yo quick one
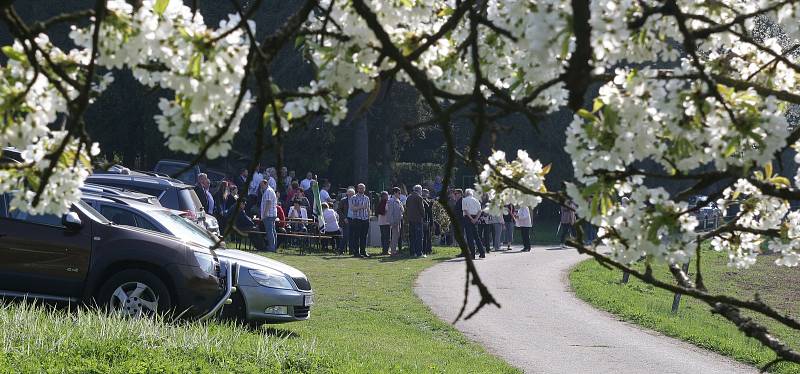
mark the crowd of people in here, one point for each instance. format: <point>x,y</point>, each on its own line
<point>344,221</point>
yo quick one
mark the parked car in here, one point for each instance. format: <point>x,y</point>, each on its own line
<point>83,257</point>
<point>268,290</point>
<point>99,189</point>
<point>171,193</point>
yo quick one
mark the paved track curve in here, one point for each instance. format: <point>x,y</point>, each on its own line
<point>543,328</point>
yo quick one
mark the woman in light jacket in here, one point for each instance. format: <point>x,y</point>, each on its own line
<point>394,214</point>
<point>524,222</point>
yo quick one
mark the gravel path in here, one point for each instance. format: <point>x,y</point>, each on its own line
<point>543,328</point>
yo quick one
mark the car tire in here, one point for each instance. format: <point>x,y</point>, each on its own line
<point>135,293</point>
<point>237,312</point>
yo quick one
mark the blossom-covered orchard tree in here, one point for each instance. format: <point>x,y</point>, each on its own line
<point>690,91</point>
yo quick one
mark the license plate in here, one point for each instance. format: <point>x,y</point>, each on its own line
<point>308,300</point>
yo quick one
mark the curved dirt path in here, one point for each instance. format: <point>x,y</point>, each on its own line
<point>543,328</point>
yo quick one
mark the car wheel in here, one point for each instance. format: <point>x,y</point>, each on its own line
<point>237,312</point>
<point>135,293</point>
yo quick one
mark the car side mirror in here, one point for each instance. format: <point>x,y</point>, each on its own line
<point>72,221</point>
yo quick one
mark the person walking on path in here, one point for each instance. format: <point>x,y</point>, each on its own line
<point>525,222</point>
<point>508,228</point>
<point>472,211</point>
<point>497,224</point>
<point>383,221</point>
<point>415,212</point>
<point>394,213</point>
<point>269,213</point>
<point>567,221</point>
<point>359,222</point>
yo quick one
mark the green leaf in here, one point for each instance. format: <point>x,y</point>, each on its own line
<point>585,114</point>
<point>565,46</point>
<point>781,181</point>
<point>546,169</point>
<point>730,150</point>
<point>446,11</point>
<point>12,54</point>
<point>194,65</point>
<point>597,105</point>
<point>768,170</point>
<point>160,6</point>
<point>299,40</point>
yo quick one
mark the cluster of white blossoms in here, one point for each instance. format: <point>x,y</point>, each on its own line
<point>493,181</point>
<point>167,46</point>
<point>30,104</point>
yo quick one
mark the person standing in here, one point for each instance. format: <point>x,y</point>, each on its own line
<point>394,213</point>
<point>383,221</point>
<point>241,180</point>
<point>496,223</point>
<point>567,221</point>
<point>269,213</point>
<point>202,191</point>
<point>472,212</point>
<point>344,211</point>
<point>524,222</point>
<point>324,195</point>
<point>415,213</point>
<point>508,230</point>
<point>359,221</point>
<point>271,178</point>
<point>427,245</point>
<point>437,186</point>
<point>306,183</point>
<point>253,189</point>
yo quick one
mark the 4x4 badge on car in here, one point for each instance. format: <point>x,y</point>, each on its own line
<point>72,270</point>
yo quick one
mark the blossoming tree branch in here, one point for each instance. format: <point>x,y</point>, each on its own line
<point>691,91</point>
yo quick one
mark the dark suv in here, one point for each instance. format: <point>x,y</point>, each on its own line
<point>82,256</point>
<point>171,193</point>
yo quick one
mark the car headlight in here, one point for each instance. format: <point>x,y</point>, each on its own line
<point>206,262</point>
<point>271,278</point>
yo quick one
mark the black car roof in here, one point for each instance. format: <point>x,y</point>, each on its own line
<point>121,201</point>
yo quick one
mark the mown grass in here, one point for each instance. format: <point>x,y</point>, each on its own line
<point>650,307</point>
<point>366,320</point>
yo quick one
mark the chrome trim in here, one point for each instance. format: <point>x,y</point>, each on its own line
<point>229,286</point>
<point>28,295</point>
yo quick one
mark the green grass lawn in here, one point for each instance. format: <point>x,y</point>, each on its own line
<point>650,307</point>
<point>366,320</point>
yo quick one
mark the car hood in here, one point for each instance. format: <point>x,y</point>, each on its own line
<point>254,261</point>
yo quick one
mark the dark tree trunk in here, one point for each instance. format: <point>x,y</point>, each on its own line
<point>361,150</point>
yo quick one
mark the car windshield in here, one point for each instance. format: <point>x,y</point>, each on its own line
<point>183,229</point>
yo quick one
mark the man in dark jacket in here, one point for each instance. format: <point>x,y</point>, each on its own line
<point>344,220</point>
<point>202,190</point>
<point>415,212</point>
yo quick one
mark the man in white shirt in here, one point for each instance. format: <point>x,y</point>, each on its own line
<point>306,183</point>
<point>271,173</point>
<point>269,212</point>
<point>472,211</point>
<point>255,184</point>
<point>324,195</point>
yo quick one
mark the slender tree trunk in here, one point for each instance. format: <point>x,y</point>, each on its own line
<point>361,150</point>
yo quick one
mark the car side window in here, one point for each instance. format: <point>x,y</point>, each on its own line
<point>118,216</point>
<point>3,209</point>
<point>42,219</point>
<point>145,224</point>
